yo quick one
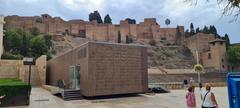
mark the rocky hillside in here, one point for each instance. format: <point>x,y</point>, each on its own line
<point>159,55</point>
<point>170,57</point>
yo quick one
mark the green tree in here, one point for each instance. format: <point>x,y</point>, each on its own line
<point>205,30</point>
<point>197,30</point>
<point>152,42</point>
<point>213,30</point>
<point>226,38</point>
<point>95,16</point>
<point>233,56</point>
<point>167,21</point>
<point>39,20</point>
<point>38,46</point>
<point>119,37</point>
<point>192,31</point>
<point>48,41</point>
<point>12,41</point>
<point>18,44</point>
<point>34,31</point>
<point>178,35</point>
<point>131,21</point>
<point>127,39</point>
<point>107,19</point>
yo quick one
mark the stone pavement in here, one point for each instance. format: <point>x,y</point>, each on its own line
<point>40,98</point>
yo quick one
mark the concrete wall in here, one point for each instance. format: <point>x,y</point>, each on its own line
<point>41,64</point>
<point>1,34</point>
<point>10,68</point>
<point>106,69</point>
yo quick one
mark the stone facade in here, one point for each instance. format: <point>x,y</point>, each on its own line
<point>211,51</point>
<point>144,31</point>
<point>1,34</point>
<point>105,69</point>
<point>149,29</point>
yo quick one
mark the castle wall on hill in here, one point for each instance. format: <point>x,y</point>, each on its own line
<point>149,29</point>
<point>211,52</point>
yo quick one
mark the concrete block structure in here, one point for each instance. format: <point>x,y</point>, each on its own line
<point>105,68</point>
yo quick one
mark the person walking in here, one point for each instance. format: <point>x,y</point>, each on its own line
<point>208,98</point>
<point>191,98</point>
<point>191,82</point>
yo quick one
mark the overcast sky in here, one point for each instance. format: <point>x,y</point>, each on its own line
<point>178,11</point>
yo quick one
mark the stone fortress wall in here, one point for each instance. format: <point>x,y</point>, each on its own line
<point>211,52</point>
<point>149,29</point>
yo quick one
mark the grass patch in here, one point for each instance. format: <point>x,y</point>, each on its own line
<point>11,81</point>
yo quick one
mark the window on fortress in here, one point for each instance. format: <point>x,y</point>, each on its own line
<point>82,33</point>
<point>221,43</point>
<point>223,66</point>
<point>222,60</point>
<point>209,56</point>
<point>163,38</point>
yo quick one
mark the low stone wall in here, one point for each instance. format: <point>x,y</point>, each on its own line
<point>10,68</point>
<point>175,81</point>
<point>41,64</point>
<point>179,85</point>
<point>16,69</point>
<point>212,77</point>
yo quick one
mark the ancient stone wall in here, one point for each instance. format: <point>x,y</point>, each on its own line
<point>10,68</point>
<point>218,55</point>
<point>16,69</point>
<point>41,64</point>
<point>149,29</point>
<point>199,42</point>
<point>211,54</point>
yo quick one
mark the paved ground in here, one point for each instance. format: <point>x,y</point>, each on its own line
<point>41,98</point>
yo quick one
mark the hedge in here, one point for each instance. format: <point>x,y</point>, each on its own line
<point>14,87</point>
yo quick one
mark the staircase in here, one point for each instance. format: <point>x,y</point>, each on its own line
<point>72,95</point>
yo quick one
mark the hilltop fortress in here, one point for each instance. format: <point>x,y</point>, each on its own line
<point>211,51</point>
<point>149,29</point>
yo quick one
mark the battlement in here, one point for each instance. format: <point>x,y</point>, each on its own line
<point>148,29</point>
<point>150,21</point>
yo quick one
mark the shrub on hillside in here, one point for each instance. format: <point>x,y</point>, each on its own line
<point>8,55</point>
<point>152,42</point>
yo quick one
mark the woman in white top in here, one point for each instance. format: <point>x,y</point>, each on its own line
<point>208,98</point>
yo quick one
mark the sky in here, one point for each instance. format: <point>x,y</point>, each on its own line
<point>178,11</point>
